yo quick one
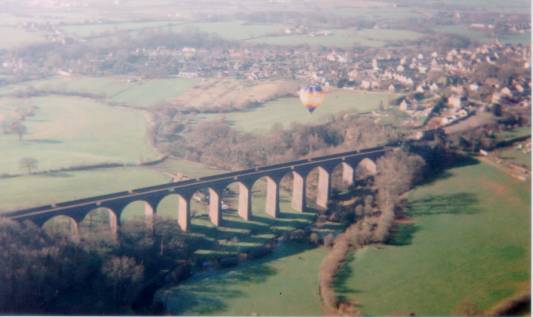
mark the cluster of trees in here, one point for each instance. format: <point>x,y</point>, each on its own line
<point>44,272</point>
<point>217,143</point>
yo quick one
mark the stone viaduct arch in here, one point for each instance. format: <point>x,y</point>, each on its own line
<point>115,203</point>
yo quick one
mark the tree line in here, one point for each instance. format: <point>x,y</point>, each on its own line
<point>216,143</point>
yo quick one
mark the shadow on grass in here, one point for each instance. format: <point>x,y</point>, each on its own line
<point>340,283</point>
<point>237,235</point>
<point>461,161</point>
<point>402,234</point>
<point>456,204</point>
<point>58,174</point>
<point>209,292</point>
<point>44,141</point>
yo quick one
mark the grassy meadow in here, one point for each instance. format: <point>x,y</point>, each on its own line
<point>284,283</point>
<point>233,30</point>
<point>287,110</point>
<point>90,30</point>
<point>100,86</point>
<point>72,131</point>
<point>344,38</point>
<point>468,246</point>
<point>14,37</point>
<point>142,93</point>
<point>154,91</point>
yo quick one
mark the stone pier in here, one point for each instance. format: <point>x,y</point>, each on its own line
<point>215,214</point>
<point>298,192</point>
<point>184,213</point>
<point>113,224</point>
<point>348,174</point>
<point>148,216</point>
<point>323,188</point>
<point>74,230</point>
<point>245,202</point>
<point>272,197</point>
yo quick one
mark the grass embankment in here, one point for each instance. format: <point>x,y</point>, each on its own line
<point>467,248</point>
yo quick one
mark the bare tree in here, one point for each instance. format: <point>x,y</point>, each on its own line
<point>18,128</point>
<point>28,163</point>
<point>397,171</point>
<point>122,276</point>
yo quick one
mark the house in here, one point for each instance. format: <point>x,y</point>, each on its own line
<point>473,87</point>
<point>506,92</point>
<point>375,65</point>
<point>458,90</point>
<point>492,82</point>
<point>462,113</point>
<point>455,102</point>
<point>405,105</point>
<point>496,97</point>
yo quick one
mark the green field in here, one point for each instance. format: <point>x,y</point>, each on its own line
<point>151,92</point>
<point>233,30</point>
<point>101,86</point>
<point>142,93</point>
<point>13,37</point>
<point>90,30</point>
<point>71,131</point>
<point>285,283</point>
<point>468,245</point>
<point>344,38</point>
<point>284,111</point>
<point>34,190</point>
<point>377,13</point>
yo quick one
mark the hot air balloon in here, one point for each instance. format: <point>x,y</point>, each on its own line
<point>312,96</point>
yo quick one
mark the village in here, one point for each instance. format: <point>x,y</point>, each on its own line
<point>464,79</point>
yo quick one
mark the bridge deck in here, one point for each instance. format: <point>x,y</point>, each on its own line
<point>230,176</point>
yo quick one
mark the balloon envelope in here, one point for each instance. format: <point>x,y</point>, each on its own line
<point>312,97</point>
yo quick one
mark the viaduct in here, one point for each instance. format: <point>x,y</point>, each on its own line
<point>115,203</point>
